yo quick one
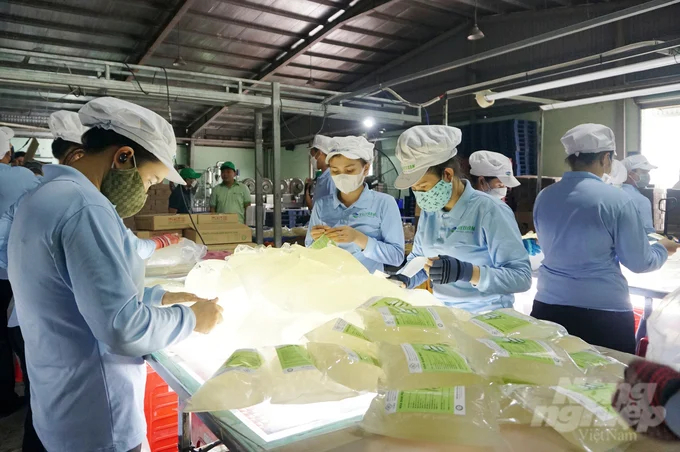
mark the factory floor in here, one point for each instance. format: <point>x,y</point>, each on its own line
<point>12,428</point>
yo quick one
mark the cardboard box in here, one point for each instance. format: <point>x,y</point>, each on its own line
<point>214,227</point>
<point>235,234</point>
<point>162,222</point>
<point>216,218</point>
<point>150,234</point>
<point>229,246</point>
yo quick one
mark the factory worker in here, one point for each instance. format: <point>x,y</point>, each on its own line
<point>90,354</point>
<point>638,168</point>
<point>366,223</point>
<point>585,228</point>
<point>477,259</point>
<point>492,173</point>
<point>67,131</point>
<point>318,151</point>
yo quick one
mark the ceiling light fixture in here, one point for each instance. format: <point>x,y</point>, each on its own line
<point>179,61</point>
<point>369,122</point>
<point>475,33</point>
<point>311,81</point>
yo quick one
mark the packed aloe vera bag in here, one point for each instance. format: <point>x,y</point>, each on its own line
<point>341,332</point>
<point>510,323</point>
<point>357,370</point>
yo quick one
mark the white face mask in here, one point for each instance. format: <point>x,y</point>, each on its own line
<point>499,193</point>
<point>347,183</point>
<point>315,165</point>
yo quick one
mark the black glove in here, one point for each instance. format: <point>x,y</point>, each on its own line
<point>401,278</point>
<point>447,269</point>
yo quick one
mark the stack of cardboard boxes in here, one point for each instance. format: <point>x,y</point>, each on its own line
<point>220,232</point>
<point>157,200</point>
<point>521,200</point>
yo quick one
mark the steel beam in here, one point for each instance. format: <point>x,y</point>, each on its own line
<point>81,11</point>
<point>351,45</point>
<point>240,56</point>
<point>275,11</point>
<point>529,42</point>
<point>405,22</point>
<point>223,66</point>
<point>259,172</point>
<point>51,25</point>
<point>376,34</point>
<point>343,59</point>
<point>276,149</point>
<point>234,40</point>
<point>104,48</point>
<point>428,6</point>
<point>165,31</point>
<point>324,69</point>
<point>520,4</point>
<point>481,4</point>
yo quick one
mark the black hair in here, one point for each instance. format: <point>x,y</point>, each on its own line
<point>586,159</point>
<point>453,163</point>
<point>35,167</point>
<point>61,147</point>
<point>18,155</point>
<point>487,179</point>
<point>97,139</point>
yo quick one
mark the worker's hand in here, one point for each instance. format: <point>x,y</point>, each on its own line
<point>641,397</point>
<point>166,240</point>
<point>670,246</point>
<point>184,297</point>
<point>400,280</point>
<point>318,231</point>
<point>208,315</point>
<point>447,269</point>
<point>346,234</point>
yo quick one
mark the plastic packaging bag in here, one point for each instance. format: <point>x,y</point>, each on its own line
<point>420,366</point>
<point>357,370</point>
<point>295,378</point>
<point>581,413</point>
<point>508,322</point>
<point>397,324</point>
<point>185,252</point>
<point>462,415</point>
<point>343,333</point>
<point>590,361</point>
<point>240,382</point>
<point>663,331</point>
<point>515,360</point>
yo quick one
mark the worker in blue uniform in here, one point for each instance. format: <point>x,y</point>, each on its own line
<point>85,358</point>
<point>366,223</point>
<point>585,228</point>
<point>477,259</point>
<point>318,152</point>
<point>492,173</point>
<point>638,168</point>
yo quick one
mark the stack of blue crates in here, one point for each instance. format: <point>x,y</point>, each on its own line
<point>526,147</point>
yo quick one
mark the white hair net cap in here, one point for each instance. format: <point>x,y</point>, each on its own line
<point>322,143</point>
<point>589,139</point>
<point>67,126</point>
<point>493,164</point>
<point>638,161</point>
<point>6,134</point>
<point>141,125</point>
<point>618,173</point>
<point>353,148</point>
<point>421,147</point>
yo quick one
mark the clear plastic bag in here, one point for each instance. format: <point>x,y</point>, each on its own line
<point>663,331</point>
<point>185,252</point>
<point>590,361</point>
<point>581,413</point>
<point>464,415</point>
<point>240,382</point>
<point>515,360</point>
<point>510,323</point>
<point>398,323</point>
<point>354,369</point>
<point>420,366</point>
<point>295,379</point>
<point>340,332</point>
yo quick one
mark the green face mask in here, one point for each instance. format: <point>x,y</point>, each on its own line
<point>125,189</point>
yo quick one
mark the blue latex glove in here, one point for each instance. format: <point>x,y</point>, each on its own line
<point>447,269</point>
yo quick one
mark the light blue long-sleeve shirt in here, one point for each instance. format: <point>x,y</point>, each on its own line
<point>86,316</point>
<point>643,205</point>
<point>324,185</point>
<point>14,182</point>
<point>583,224</point>
<point>374,214</point>
<point>480,230</point>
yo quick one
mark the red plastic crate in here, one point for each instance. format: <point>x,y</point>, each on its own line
<point>160,410</point>
<point>638,313</point>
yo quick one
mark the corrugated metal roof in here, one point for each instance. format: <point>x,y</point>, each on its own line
<point>239,38</point>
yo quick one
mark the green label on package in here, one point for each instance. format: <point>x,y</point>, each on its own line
<point>499,323</point>
<point>383,302</point>
<point>361,357</point>
<point>595,397</point>
<point>294,358</point>
<point>344,327</point>
<point>509,347</point>
<point>411,316</point>
<point>587,359</point>
<point>322,242</point>
<point>433,358</point>
<point>244,360</point>
<point>440,400</point>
